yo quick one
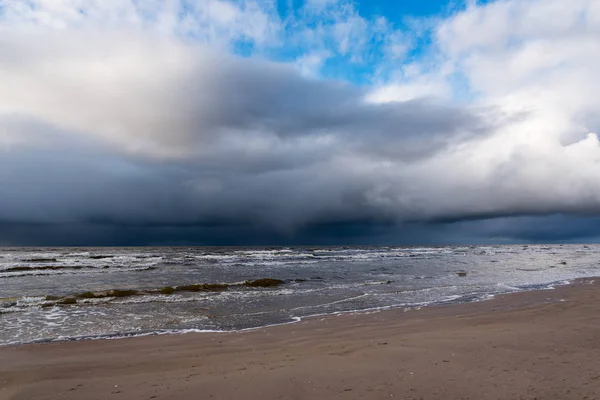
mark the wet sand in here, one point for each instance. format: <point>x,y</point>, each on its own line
<point>533,345</point>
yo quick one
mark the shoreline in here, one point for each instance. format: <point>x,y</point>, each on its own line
<point>299,319</point>
<point>351,355</point>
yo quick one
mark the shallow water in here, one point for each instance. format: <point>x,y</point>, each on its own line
<point>317,280</point>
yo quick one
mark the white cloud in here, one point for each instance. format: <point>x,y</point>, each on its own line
<point>215,22</point>
<point>410,88</point>
<point>537,59</point>
<point>310,64</point>
<point>542,59</point>
<point>335,27</point>
<point>523,56</point>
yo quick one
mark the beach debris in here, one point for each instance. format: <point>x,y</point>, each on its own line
<point>563,263</point>
<point>462,273</point>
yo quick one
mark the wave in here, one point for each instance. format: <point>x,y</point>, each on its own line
<point>293,317</point>
<point>85,297</point>
<point>44,268</point>
<point>60,270</point>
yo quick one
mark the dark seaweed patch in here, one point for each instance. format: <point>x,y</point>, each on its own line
<point>108,293</point>
<point>87,295</point>
<point>46,268</point>
<point>123,293</point>
<point>267,282</point>
<point>18,269</point>
<point>167,290</point>
<point>67,301</point>
<point>202,287</point>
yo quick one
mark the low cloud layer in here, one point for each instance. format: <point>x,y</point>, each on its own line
<point>127,127</point>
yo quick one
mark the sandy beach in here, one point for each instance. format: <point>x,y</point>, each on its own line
<point>530,345</point>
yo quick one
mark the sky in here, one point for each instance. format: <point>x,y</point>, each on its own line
<point>278,122</point>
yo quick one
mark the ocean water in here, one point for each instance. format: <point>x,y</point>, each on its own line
<point>49,294</point>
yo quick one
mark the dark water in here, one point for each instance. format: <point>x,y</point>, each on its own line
<point>316,281</point>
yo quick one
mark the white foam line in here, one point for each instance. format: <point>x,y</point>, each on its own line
<point>295,319</point>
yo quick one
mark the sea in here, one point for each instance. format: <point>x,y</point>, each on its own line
<point>58,294</point>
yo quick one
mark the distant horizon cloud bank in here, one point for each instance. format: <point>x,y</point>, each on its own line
<point>233,122</point>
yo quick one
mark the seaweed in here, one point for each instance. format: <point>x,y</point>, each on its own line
<point>51,268</point>
<point>167,290</point>
<point>16,269</point>
<point>67,301</point>
<point>109,293</point>
<point>265,282</point>
<point>122,293</point>
<point>88,295</point>
<point>202,287</point>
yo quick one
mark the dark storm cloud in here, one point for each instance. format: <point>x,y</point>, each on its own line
<point>150,141</point>
<point>261,150</point>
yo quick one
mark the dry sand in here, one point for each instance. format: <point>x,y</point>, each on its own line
<point>534,345</point>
